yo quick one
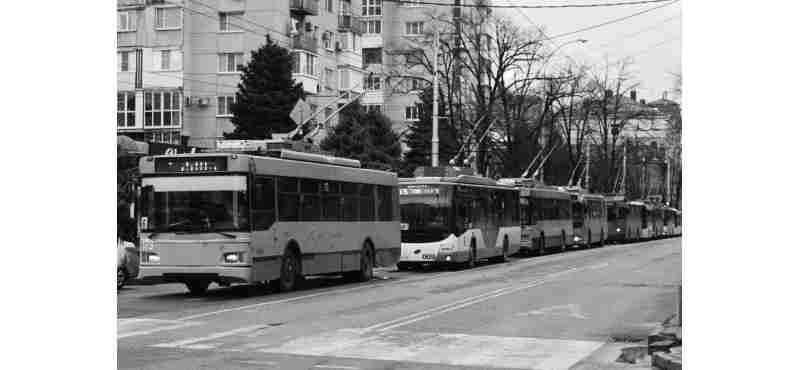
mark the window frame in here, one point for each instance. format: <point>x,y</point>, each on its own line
<point>420,25</point>
<point>127,111</point>
<point>130,20</point>
<point>225,19</point>
<point>162,111</point>
<point>238,62</point>
<point>370,8</point>
<point>125,60</point>
<point>227,100</point>
<point>414,110</point>
<point>165,27</point>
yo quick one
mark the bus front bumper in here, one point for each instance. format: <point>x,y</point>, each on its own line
<point>180,274</point>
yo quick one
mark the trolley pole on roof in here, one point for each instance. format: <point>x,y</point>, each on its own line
<point>435,128</point>
<point>624,166</point>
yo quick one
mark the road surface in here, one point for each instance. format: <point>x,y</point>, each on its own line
<point>573,310</point>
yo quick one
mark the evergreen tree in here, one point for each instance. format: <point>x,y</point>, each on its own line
<point>419,138</point>
<point>267,94</point>
<point>366,136</point>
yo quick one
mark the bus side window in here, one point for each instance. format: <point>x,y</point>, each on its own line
<point>349,201</point>
<point>331,201</point>
<point>288,199</point>
<point>385,203</point>
<point>263,203</point>
<point>310,208</point>
<point>366,202</point>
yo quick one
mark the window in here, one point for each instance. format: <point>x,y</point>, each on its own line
<point>331,201</point>
<point>374,108</point>
<point>330,79</point>
<point>373,55</point>
<point>366,202</point>
<point>344,79</point>
<point>414,84</point>
<point>167,60</point>
<point>311,64</point>
<point>168,18</point>
<point>310,205</point>
<point>126,21</point>
<point>126,109</point>
<point>372,82</point>
<point>329,6</point>
<point>328,40</point>
<point>288,199</point>
<point>386,204</point>
<point>230,22</point>
<point>370,7</point>
<point>412,113</point>
<point>372,26</point>
<point>162,109</point>
<point>224,104</point>
<point>124,59</point>
<point>263,203</point>
<point>414,28</point>
<point>230,62</point>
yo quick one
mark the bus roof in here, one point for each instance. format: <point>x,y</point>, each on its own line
<point>456,180</point>
<point>267,165</point>
<point>548,193</point>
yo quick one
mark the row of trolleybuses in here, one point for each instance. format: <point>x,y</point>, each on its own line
<point>273,215</point>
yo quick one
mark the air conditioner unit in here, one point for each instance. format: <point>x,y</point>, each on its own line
<point>202,102</point>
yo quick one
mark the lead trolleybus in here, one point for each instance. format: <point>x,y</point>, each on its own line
<point>457,219</point>
<point>232,218</point>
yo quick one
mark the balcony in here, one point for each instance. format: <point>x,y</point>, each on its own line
<point>305,41</point>
<point>303,8</point>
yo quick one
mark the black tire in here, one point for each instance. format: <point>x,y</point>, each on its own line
<point>602,237</point>
<point>563,241</point>
<point>473,254</point>
<point>122,277</point>
<point>366,264</point>
<point>504,256</point>
<point>198,287</point>
<point>290,271</point>
<point>542,247</point>
<point>402,266</point>
<point>589,240</point>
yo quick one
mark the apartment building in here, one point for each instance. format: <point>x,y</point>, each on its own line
<point>178,61</point>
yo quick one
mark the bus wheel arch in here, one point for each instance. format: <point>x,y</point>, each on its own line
<point>291,267</point>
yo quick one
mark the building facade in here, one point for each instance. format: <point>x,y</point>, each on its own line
<point>178,61</point>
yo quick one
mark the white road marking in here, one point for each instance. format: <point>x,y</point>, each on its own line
<point>137,326</point>
<point>426,314</point>
<point>598,266</point>
<point>336,367</point>
<point>191,343</point>
<point>263,363</point>
<point>572,310</point>
<point>482,351</point>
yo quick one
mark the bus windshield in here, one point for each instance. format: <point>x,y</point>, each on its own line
<point>426,213</point>
<point>196,211</point>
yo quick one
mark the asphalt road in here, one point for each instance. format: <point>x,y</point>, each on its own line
<point>574,310</point>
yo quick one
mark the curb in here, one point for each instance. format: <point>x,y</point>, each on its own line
<point>668,361</point>
<point>664,345</point>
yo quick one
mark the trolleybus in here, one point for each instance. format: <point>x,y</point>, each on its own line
<point>233,218</point>
<point>546,221</point>
<point>619,227</point>
<point>457,220</point>
<point>589,220</point>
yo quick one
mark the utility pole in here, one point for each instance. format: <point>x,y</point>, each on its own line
<point>624,165</point>
<point>435,139</point>
<point>668,177</point>
<point>586,176</point>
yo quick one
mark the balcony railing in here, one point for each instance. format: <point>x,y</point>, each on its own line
<point>305,41</point>
<point>304,7</point>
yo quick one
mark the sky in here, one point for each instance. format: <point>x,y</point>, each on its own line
<point>653,39</point>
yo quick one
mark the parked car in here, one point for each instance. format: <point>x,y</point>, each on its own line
<point>127,262</point>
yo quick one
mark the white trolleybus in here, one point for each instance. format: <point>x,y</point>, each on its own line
<point>233,218</point>
<point>456,219</point>
<point>546,216</point>
<point>589,219</point>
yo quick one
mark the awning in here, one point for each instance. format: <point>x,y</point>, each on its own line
<point>128,146</point>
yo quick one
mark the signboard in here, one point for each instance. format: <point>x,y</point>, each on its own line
<point>419,190</point>
<point>169,149</point>
<point>191,164</point>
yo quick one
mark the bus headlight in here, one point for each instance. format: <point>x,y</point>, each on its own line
<point>447,258</point>
<point>618,229</point>
<point>151,257</point>
<point>576,238</point>
<point>233,257</point>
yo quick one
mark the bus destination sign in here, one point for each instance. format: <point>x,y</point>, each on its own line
<point>191,164</point>
<point>419,190</point>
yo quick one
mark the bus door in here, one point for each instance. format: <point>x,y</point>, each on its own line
<point>262,241</point>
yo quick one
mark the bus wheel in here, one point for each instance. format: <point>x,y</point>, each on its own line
<point>402,266</point>
<point>367,261</point>
<point>290,271</point>
<point>197,287</point>
<point>602,237</point>
<point>504,256</point>
<point>542,249</point>
<point>472,254</point>
<point>563,241</point>
<point>122,276</point>
<point>589,241</point>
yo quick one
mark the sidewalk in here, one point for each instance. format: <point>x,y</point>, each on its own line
<point>664,346</point>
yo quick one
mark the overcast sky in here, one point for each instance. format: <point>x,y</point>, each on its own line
<point>653,39</point>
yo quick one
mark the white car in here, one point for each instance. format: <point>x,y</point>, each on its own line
<point>127,262</point>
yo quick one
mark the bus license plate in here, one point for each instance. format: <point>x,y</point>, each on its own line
<point>403,226</point>
<point>428,256</point>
